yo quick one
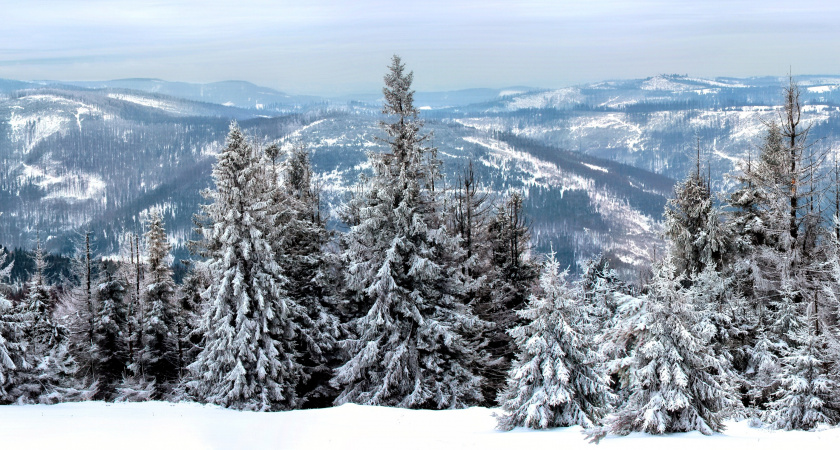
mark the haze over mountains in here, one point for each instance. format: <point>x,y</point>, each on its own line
<point>596,161</point>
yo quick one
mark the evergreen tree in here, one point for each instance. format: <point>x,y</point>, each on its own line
<point>187,315</point>
<point>158,295</point>
<point>48,352</point>
<point>248,360</point>
<point>78,311</point>
<point>618,343</point>
<point>806,392</point>
<point>602,292</point>
<point>132,274</point>
<point>695,240</point>
<point>300,238</point>
<point>676,382</point>
<point>12,343</point>
<point>508,281</point>
<point>410,345</point>
<point>556,380</point>
<point>110,349</point>
<point>778,269</point>
<point>470,217</point>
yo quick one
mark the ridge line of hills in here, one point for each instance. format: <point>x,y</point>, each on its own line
<point>596,161</point>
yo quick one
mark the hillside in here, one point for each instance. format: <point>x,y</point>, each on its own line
<point>597,161</point>
<point>79,158</point>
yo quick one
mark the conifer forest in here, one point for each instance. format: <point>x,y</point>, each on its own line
<point>418,290</point>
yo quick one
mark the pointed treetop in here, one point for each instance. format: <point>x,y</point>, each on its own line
<point>399,98</point>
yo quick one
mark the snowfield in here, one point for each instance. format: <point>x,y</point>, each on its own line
<point>161,425</point>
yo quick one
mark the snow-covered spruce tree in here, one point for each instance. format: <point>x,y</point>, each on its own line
<point>557,378</point>
<point>700,243</point>
<point>610,321</point>
<point>51,366</point>
<point>410,347</point>
<point>110,349</point>
<point>133,275</point>
<point>157,352</point>
<point>299,238</point>
<point>470,215</point>
<point>806,390</point>
<point>618,341</point>
<point>248,358</point>
<point>761,237</point>
<point>602,292</point>
<point>778,265</point>
<point>187,315</point>
<point>695,234</point>
<point>509,278</point>
<point>12,341</point>
<point>676,382</point>
<point>77,310</point>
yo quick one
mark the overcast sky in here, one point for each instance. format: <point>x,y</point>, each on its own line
<point>331,47</point>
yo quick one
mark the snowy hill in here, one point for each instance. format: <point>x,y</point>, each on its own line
<point>240,94</point>
<point>99,158</point>
<point>597,161</point>
<point>183,426</point>
<point>654,123</point>
<point>77,157</point>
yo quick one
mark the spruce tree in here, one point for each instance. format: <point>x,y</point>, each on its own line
<point>110,333</point>
<point>806,388</point>
<point>507,279</point>
<point>187,315</point>
<point>48,352</point>
<point>12,342</point>
<point>410,345</point>
<point>557,379</point>
<point>300,239</point>
<point>248,359</point>
<point>602,292</point>
<point>676,382</point>
<point>78,311</point>
<point>158,295</point>
<point>779,263</point>
<point>695,238</point>
<point>470,218</point>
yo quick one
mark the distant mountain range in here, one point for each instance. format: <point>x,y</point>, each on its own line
<point>596,161</point>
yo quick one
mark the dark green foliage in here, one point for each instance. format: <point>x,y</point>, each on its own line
<point>109,351</point>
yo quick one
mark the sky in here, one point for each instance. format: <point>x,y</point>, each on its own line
<point>329,47</point>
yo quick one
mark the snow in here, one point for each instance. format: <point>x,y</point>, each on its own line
<point>70,186</point>
<point>547,99</point>
<point>593,167</point>
<point>99,425</point>
<point>45,125</point>
<point>536,172</point>
<point>298,133</point>
<point>660,83</point>
<point>821,89</point>
<point>510,92</point>
<point>731,84</point>
<point>708,91</point>
<point>169,107</point>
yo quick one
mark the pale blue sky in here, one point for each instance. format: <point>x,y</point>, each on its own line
<point>331,47</point>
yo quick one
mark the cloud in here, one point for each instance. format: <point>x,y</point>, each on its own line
<point>321,46</point>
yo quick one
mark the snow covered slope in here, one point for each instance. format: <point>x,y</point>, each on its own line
<point>184,426</point>
<point>98,159</point>
<point>596,161</point>
<point>72,158</point>
<point>654,123</point>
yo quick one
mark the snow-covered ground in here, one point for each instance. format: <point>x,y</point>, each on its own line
<point>160,425</point>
